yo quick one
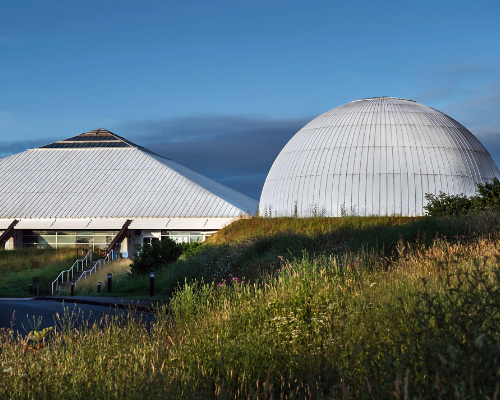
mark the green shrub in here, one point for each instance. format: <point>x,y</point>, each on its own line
<point>444,204</point>
<point>190,249</point>
<point>155,256</point>
<point>487,197</point>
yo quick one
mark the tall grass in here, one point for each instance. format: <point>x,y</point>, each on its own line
<point>422,324</point>
<point>19,267</point>
<point>251,228</point>
<point>118,269</point>
<point>123,285</point>
<point>252,247</point>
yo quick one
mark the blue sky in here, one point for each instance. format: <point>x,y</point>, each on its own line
<point>221,86</point>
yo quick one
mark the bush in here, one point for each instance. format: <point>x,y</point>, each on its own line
<point>155,256</point>
<point>487,197</point>
<point>190,249</point>
<point>444,204</point>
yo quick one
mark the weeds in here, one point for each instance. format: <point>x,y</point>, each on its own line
<point>420,321</point>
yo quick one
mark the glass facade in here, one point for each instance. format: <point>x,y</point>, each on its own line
<point>147,237</point>
<point>100,239</point>
<point>94,240</point>
<point>184,236</point>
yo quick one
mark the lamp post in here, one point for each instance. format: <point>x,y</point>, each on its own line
<point>151,284</point>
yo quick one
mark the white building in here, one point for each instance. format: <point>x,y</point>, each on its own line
<point>97,189</point>
<point>377,156</point>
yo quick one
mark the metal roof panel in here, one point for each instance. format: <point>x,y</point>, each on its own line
<point>110,183</point>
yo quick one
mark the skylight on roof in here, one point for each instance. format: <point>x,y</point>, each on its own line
<point>97,139</point>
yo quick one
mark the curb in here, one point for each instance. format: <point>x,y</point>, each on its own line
<point>100,303</point>
<point>16,298</point>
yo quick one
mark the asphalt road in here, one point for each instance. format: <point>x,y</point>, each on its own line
<point>23,315</point>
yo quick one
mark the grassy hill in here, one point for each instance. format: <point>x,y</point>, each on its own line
<point>252,248</point>
<point>19,267</point>
<point>251,228</point>
<point>295,308</point>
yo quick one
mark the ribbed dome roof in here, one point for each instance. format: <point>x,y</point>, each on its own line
<point>377,156</point>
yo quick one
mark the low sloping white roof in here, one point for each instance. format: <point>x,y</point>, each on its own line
<point>101,175</point>
<point>82,224</point>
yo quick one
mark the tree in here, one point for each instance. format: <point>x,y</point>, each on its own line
<point>155,256</point>
<point>488,195</point>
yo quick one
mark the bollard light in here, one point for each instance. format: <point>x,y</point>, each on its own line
<point>98,287</point>
<point>151,284</point>
<point>31,289</point>
<point>109,282</point>
<point>72,289</point>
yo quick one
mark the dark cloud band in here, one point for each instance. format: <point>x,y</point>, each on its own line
<point>237,151</point>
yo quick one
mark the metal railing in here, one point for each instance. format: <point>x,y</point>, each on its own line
<point>99,263</point>
<point>83,262</point>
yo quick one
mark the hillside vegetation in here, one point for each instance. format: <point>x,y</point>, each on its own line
<point>252,228</point>
<point>381,310</point>
<point>251,248</point>
<point>19,267</point>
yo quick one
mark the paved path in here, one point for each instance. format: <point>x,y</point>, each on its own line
<point>140,305</point>
<point>27,312</point>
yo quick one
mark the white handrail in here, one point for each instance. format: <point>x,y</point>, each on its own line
<point>101,262</point>
<point>61,275</point>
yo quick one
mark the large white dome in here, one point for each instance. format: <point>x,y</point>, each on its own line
<point>377,156</point>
